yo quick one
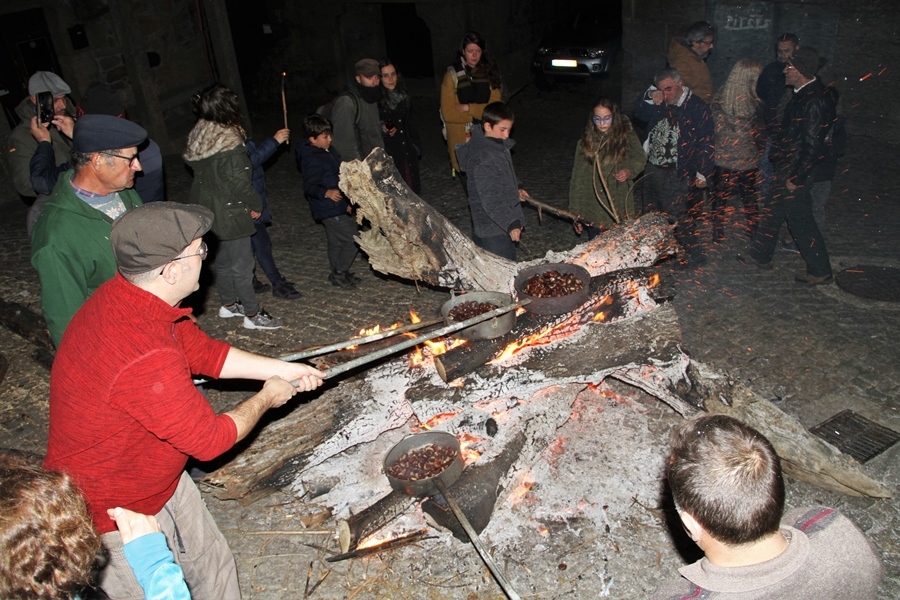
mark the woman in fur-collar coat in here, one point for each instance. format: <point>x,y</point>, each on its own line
<point>223,183</point>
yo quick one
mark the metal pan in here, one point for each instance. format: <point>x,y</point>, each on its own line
<point>486,330</point>
<point>439,484</point>
<point>560,304</point>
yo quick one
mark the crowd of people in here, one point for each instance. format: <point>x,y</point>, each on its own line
<point>115,260</point>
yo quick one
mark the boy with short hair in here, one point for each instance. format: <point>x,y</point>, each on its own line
<point>495,194</point>
<point>320,166</point>
<point>727,486</point>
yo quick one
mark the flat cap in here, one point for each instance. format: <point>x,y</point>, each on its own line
<point>368,67</point>
<point>805,60</point>
<point>45,81</point>
<point>96,133</point>
<point>149,236</point>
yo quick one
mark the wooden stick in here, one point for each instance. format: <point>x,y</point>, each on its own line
<point>388,545</point>
<point>284,98</point>
<point>542,206</point>
<point>285,532</point>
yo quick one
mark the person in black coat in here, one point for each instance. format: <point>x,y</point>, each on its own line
<point>398,126</point>
<point>320,165</point>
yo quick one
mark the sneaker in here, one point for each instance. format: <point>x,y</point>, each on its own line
<point>262,320</point>
<point>341,280</point>
<point>259,287</point>
<point>232,310</point>
<point>746,259</point>
<point>790,246</point>
<point>285,289</point>
<point>808,279</point>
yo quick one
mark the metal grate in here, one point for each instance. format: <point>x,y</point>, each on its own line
<point>856,435</point>
<point>870,282</point>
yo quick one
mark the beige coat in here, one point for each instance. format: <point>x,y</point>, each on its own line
<point>455,120</point>
<point>693,69</point>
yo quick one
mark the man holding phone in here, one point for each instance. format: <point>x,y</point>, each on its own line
<point>55,128</point>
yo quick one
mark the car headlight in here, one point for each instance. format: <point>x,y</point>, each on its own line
<point>596,52</point>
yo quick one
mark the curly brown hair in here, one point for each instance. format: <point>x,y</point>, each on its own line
<point>610,147</point>
<point>48,544</point>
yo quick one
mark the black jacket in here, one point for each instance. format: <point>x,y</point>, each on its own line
<point>801,145</point>
<point>321,172</point>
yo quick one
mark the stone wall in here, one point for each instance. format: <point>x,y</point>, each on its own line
<point>857,38</point>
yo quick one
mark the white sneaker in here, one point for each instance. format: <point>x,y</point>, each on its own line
<point>262,320</point>
<point>235,310</point>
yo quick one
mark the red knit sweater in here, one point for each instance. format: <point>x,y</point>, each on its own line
<point>124,413</point>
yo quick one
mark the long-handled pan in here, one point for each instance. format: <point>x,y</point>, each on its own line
<point>454,327</point>
<point>443,448</point>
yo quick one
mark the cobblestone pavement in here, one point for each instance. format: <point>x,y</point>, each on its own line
<point>813,351</point>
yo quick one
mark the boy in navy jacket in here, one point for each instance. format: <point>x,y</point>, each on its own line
<point>321,170</point>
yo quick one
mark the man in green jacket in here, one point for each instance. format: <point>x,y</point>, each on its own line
<point>70,242</point>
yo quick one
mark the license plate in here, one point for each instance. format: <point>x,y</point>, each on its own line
<point>561,62</point>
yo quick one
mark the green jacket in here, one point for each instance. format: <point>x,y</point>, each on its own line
<point>22,146</point>
<point>222,178</point>
<point>583,201</point>
<point>71,252</point>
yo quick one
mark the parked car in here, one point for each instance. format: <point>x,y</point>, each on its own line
<point>585,47</point>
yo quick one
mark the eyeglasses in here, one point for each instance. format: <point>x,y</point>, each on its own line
<point>201,254</point>
<point>131,159</point>
<point>597,119</point>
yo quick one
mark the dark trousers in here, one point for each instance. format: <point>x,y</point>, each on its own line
<point>339,235</point>
<point>501,245</point>
<point>742,184</point>
<point>262,249</point>
<point>683,205</point>
<point>796,208</point>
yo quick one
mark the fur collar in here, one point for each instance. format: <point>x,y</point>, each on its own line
<point>208,138</point>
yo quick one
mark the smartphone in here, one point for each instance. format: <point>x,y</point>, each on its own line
<point>45,107</point>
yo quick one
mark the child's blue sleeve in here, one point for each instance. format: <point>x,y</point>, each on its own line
<point>155,568</point>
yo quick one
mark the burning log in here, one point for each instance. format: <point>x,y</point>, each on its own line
<point>410,239</point>
<point>366,522</point>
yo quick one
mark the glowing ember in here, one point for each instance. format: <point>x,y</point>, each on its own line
<point>653,280</point>
<point>599,317</point>
<point>373,541</point>
<point>414,317</point>
<point>525,485</point>
<point>437,420</point>
<point>466,441</point>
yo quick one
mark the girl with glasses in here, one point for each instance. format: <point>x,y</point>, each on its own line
<point>608,158</point>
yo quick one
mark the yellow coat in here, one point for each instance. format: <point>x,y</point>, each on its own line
<point>456,121</point>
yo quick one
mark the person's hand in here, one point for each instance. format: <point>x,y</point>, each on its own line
<point>334,195</point>
<point>462,107</point>
<point>515,234</point>
<point>622,175</point>
<point>392,131</point>
<point>65,124</point>
<point>255,214</point>
<point>790,186</point>
<point>523,195</point>
<point>39,131</point>
<point>132,525</point>
<point>578,227</point>
<point>700,183</point>
<point>279,390</point>
<point>282,135</point>
<point>657,96</point>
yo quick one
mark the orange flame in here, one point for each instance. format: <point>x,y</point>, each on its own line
<point>653,280</point>
<point>414,317</point>
<point>599,317</point>
<point>466,441</point>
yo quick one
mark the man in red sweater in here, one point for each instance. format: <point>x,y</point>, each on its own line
<point>124,413</point>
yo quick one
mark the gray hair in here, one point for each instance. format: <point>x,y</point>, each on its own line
<point>141,279</point>
<point>667,73</point>
<point>698,32</point>
<point>80,159</point>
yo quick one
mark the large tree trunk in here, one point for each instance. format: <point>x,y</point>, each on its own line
<point>410,239</point>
